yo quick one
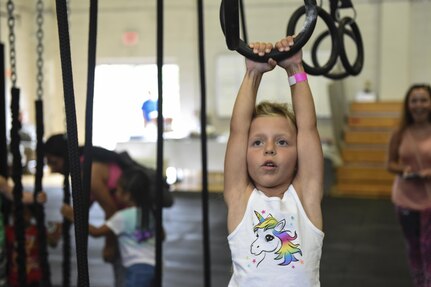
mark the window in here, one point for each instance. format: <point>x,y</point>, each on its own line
<point>119,93</point>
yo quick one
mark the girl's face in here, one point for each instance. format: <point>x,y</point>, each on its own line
<point>419,104</point>
<point>55,163</point>
<point>272,153</point>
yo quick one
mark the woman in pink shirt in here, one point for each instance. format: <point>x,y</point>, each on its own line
<point>105,171</point>
<point>409,158</point>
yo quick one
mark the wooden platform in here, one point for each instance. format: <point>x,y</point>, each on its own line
<point>364,150</point>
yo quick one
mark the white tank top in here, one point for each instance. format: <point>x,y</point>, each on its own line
<point>275,244</point>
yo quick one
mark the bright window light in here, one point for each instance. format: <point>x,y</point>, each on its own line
<point>119,93</point>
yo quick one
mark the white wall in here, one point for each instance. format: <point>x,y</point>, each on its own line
<point>396,35</point>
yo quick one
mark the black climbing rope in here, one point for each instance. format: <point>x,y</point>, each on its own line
<point>160,128</point>
<point>204,152</point>
<point>91,65</point>
<point>66,226</point>
<point>80,214</point>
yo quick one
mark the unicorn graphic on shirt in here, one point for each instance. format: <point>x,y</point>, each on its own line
<point>272,238</point>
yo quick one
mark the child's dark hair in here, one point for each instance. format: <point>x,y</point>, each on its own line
<point>137,183</point>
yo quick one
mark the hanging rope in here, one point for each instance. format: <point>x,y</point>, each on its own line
<point>3,162</point>
<point>80,214</point>
<point>88,154</point>
<point>205,208</point>
<point>17,159</point>
<point>66,226</point>
<point>88,157</point>
<point>160,128</point>
<point>39,209</point>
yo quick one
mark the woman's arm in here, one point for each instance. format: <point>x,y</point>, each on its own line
<point>104,230</point>
<point>5,188</point>
<point>100,231</point>
<point>393,164</point>
<point>27,197</point>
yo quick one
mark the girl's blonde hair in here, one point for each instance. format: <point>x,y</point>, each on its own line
<point>266,108</point>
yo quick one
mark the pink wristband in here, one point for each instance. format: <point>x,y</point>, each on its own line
<point>297,78</point>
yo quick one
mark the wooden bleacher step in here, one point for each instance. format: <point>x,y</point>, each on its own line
<point>364,154</point>
<point>361,173</point>
<point>352,136</point>
<point>376,107</point>
<point>363,190</point>
<point>373,121</point>
<point>364,150</point>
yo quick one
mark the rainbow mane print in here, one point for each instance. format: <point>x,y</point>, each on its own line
<point>272,238</point>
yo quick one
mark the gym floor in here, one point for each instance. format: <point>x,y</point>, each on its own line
<point>363,244</point>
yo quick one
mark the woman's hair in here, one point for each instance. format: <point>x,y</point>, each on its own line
<point>407,118</point>
<point>56,145</point>
<point>136,182</point>
<point>266,108</point>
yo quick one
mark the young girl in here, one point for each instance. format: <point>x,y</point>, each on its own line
<point>273,181</point>
<point>134,227</point>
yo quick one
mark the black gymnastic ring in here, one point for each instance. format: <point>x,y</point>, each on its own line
<point>356,68</point>
<point>332,28</point>
<point>231,31</point>
<point>315,47</point>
